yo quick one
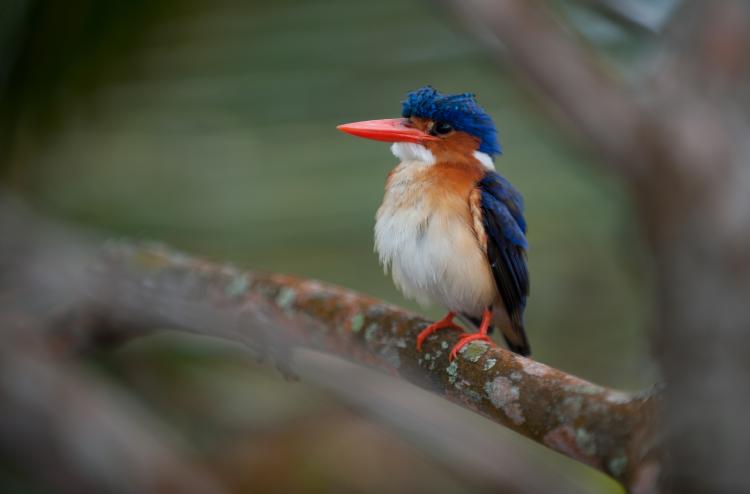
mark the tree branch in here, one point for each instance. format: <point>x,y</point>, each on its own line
<point>139,287</point>
<point>125,290</point>
<point>68,297</point>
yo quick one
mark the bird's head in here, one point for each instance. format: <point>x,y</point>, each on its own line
<point>435,127</point>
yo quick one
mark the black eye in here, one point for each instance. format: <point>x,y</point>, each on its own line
<point>441,128</point>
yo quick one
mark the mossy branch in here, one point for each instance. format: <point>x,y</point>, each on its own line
<point>144,287</point>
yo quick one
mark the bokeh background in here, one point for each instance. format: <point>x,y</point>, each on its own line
<point>210,126</point>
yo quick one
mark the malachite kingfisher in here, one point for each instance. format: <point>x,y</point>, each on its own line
<point>451,229</point>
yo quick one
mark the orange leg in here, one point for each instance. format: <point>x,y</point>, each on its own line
<point>481,335</point>
<point>444,323</point>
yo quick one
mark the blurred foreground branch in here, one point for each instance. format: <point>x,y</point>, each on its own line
<point>125,290</point>
<point>80,435</point>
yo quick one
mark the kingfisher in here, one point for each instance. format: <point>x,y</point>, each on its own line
<point>451,229</point>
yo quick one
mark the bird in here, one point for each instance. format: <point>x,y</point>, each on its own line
<point>451,229</point>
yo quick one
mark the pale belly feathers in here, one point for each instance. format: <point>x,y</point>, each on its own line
<point>426,239</point>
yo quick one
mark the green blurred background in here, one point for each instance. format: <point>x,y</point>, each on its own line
<point>210,126</point>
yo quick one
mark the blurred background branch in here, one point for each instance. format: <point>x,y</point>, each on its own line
<point>674,135</point>
<point>571,80</point>
<point>647,16</point>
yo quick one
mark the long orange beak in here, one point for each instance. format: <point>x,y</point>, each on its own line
<point>388,130</point>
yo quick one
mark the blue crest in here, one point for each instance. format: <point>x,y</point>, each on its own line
<point>461,111</point>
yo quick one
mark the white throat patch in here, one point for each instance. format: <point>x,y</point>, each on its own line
<point>409,151</point>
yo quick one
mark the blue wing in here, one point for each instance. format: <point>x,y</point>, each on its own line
<point>505,227</point>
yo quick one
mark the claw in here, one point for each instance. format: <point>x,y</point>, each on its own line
<point>444,323</point>
<point>465,339</point>
<point>481,335</point>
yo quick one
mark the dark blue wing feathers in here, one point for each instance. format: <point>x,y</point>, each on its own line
<point>496,188</point>
<point>505,227</point>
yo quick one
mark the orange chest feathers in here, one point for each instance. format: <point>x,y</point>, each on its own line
<point>441,189</point>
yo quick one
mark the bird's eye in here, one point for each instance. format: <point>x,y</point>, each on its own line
<point>441,128</point>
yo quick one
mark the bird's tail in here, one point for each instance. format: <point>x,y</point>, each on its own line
<point>517,341</point>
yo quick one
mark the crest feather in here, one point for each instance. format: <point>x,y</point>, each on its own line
<point>460,110</point>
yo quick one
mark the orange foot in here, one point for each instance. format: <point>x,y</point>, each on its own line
<point>479,336</point>
<point>444,323</point>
